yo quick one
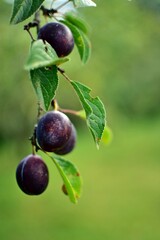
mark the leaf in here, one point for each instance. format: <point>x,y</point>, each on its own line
<point>87,48</point>
<point>42,55</point>
<point>45,82</point>
<point>22,9</point>
<point>81,40</point>
<point>107,135</point>
<point>94,109</point>
<point>77,22</point>
<point>71,177</point>
<point>83,3</point>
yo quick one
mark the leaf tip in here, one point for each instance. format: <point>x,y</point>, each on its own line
<point>12,21</point>
<point>97,144</point>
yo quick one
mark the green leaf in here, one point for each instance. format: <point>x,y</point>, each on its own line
<point>22,9</point>
<point>77,22</point>
<point>94,109</point>
<point>87,48</point>
<point>83,3</point>
<point>42,55</point>
<point>45,82</point>
<point>107,135</point>
<point>81,40</point>
<point>71,177</point>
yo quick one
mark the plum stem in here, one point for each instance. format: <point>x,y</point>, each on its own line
<point>35,147</point>
<point>54,104</point>
<point>35,23</point>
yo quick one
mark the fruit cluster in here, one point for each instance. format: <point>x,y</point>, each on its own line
<point>54,133</point>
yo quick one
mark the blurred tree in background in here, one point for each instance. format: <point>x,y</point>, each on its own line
<point>121,182</point>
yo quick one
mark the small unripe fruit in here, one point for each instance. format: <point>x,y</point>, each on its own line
<point>53,131</point>
<point>70,144</point>
<point>32,175</point>
<point>59,36</point>
<point>64,190</point>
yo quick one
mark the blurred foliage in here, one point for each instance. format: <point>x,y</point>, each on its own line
<point>123,70</point>
<point>121,191</point>
<point>151,5</point>
<point>120,197</point>
<point>128,57</point>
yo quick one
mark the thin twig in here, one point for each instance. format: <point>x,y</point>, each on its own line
<point>63,74</point>
<point>39,111</point>
<point>55,106</point>
<point>48,12</point>
<point>74,112</point>
<point>35,23</point>
<point>26,27</point>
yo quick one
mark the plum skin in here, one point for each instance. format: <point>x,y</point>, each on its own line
<point>70,144</point>
<point>32,175</point>
<point>53,131</point>
<point>59,36</point>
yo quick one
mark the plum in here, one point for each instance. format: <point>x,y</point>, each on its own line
<point>32,175</point>
<point>70,144</point>
<point>59,36</point>
<point>53,131</point>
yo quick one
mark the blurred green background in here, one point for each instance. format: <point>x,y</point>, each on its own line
<point>121,193</point>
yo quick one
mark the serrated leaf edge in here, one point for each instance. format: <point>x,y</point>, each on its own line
<point>88,114</point>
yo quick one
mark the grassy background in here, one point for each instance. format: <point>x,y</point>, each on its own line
<point>120,196</point>
<point>121,193</point>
